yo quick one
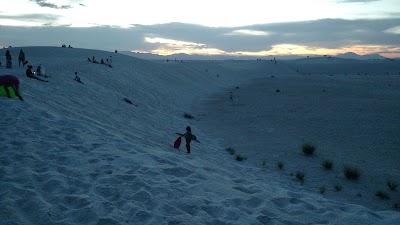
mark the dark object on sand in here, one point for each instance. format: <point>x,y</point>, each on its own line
<point>129,101</point>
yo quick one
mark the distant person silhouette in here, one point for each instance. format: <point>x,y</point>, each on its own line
<point>77,78</point>
<point>8,55</point>
<point>31,74</point>
<point>21,58</point>
<point>8,59</point>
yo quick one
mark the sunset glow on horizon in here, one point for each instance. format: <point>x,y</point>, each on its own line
<point>170,47</point>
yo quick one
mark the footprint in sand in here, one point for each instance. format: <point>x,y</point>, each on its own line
<point>93,161</point>
<point>18,144</point>
<point>249,190</point>
<point>285,202</point>
<point>83,216</point>
<point>141,217</point>
<point>41,169</point>
<point>108,192</point>
<point>46,115</point>
<point>51,186</point>
<point>281,202</point>
<point>109,157</point>
<point>95,145</point>
<point>107,221</point>
<point>178,172</point>
<point>125,177</point>
<point>142,196</point>
<point>163,161</point>
<point>213,210</point>
<point>76,202</point>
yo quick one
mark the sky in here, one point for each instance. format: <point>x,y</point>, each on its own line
<point>252,27</point>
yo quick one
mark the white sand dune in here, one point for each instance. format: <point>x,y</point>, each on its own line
<point>78,154</point>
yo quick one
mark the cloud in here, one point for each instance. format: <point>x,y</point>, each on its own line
<point>44,3</point>
<point>328,35</point>
<point>41,18</point>
<point>248,32</point>
<point>393,14</point>
<point>172,42</point>
<point>358,1</point>
<point>393,30</point>
<point>169,46</point>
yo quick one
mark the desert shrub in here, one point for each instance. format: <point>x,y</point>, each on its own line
<point>396,206</point>
<point>327,164</point>
<point>277,90</point>
<point>351,173</point>
<point>280,165</point>
<point>240,158</point>
<point>300,177</point>
<point>338,187</point>
<point>264,163</point>
<point>231,150</point>
<point>322,190</point>
<point>392,185</point>
<point>188,116</point>
<point>382,195</point>
<point>308,149</point>
<point>237,87</point>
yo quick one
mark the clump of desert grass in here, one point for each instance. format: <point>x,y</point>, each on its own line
<point>300,176</point>
<point>382,195</point>
<point>327,164</point>
<point>264,163</point>
<point>351,173</point>
<point>280,165</point>
<point>308,149</point>
<point>392,185</point>
<point>322,190</point>
<point>188,116</point>
<point>338,187</point>
<point>231,150</point>
<point>240,158</point>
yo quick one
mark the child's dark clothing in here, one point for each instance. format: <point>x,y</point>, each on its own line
<point>188,136</point>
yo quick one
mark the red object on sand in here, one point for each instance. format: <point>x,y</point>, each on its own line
<point>178,141</point>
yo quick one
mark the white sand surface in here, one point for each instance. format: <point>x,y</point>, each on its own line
<point>76,153</point>
<point>352,120</point>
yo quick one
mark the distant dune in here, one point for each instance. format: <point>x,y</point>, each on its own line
<point>149,56</point>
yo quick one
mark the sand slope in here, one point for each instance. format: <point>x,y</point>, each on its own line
<point>78,154</point>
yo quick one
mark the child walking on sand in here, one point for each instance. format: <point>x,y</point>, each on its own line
<point>188,137</point>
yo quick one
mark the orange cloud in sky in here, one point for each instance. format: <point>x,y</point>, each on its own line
<point>249,33</point>
<point>169,47</point>
<point>204,51</point>
<point>290,49</point>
